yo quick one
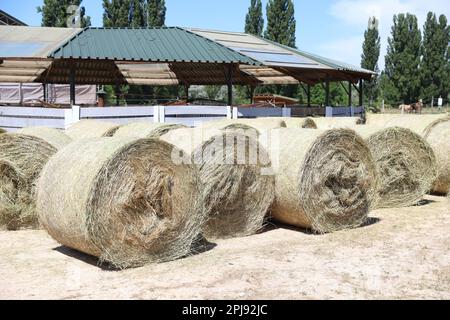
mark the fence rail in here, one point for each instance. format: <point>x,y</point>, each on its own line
<point>13,118</point>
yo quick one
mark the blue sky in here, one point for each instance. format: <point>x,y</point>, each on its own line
<point>331,28</point>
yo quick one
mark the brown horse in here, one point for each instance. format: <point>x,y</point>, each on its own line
<point>417,107</point>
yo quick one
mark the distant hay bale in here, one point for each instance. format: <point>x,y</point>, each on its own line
<point>146,129</point>
<point>122,200</point>
<point>22,156</point>
<point>324,180</point>
<point>437,134</point>
<point>260,124</point>
<point>305,123</point>
<point>405,163</point>
<point>85,129</point>
<point>325,123</point>
<point>237,192</point>
<point>2,131</point>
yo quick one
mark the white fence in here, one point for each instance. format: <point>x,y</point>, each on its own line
<point>13,118</point>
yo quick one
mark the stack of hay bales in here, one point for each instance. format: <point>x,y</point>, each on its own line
<point>237,188</point>
<point>23,154</point>
<point>325,123</point>
<point>122,200</point>
<point>405,163</point>
<point>324,180</point>
<point>145,129</point>
<point>305,123</point>
<point>85,129</point>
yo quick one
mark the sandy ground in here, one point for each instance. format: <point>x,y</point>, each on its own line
<point>400,254</point>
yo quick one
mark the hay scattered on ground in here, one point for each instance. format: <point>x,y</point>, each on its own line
<point>405,162</point>
<point>325,123</point>
<point>236,193</point>
<point>325,180</point>
<point>85,129</point>
<point>122,200</point>
<point>305,123</point>
<point>22,156</point>
<point>437,135</point>
<point>146,129</point>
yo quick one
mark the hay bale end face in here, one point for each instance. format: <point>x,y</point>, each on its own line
<point>405,162</point>
<point>122,200</point>
<point>437,135</point>
<point>22,156</point>
<point>146,129</point>
<point>85,129</point>
<point>237,193</point>
<point>325,180</point>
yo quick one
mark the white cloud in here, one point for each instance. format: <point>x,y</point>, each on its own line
<point>355,14</point>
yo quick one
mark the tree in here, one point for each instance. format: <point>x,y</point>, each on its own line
<point>281,22</point>
<point>254,21</point>
<point>403,58</point>
<point>124,13</point>
<point>156,13</point>
<point>370,57</point>
<point>434,64</point>
<point>57,13</point>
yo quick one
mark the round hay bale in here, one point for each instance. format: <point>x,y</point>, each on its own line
<point>22,156</point>
<point>85,129</point>
<point>405,163</point>
<point>2,131</point>
<point>261,124</point>
<point>146,129</point>
<point>324,180</point>
<point>437,135</point>
<point>326,123</point>
<point>122,200</point>
<point>305,123</point>
<point>237,192</point>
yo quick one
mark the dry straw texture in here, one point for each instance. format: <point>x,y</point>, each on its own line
<point>325,180</point>
<point>305,123</point>
<point>145,129</point>
<point>435,129</point>
<point>122,200</point>
<point>236,193</point>
<point>22,156</point>
<point>85,129</point>
<point>325,123</point>
<point>405,163</point>
<point>261,124</point>
<point>438,136</point>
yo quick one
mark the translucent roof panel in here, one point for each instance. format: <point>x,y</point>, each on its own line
<point>32,42</point>
<point>278,58</point>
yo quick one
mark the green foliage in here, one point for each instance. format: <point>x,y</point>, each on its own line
<point>281,24</point>
<point>55,13</point>
<point>254,21</point>
<point>434,67</point>
<point>156,13</point>
<point>403,57</point>
<point>370,57</point>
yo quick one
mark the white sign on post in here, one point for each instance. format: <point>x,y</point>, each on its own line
<point>440,102</point>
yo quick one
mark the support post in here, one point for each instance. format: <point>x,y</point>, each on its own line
<point>327,93</point>
<point>72,85</point>
<point>252,93</point>
<point>230,84</point>
<point>309,95</point>
<point>361,92</point>
<point>186,92</point>
<point>44,90</point>
<point>350,102</point>
<point>117,94</point>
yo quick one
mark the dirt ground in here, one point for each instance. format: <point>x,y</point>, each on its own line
<point>400,254</point>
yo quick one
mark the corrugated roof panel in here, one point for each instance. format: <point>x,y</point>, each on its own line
<point>148,44</point>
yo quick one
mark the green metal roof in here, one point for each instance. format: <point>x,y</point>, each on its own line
<point>147,44</point>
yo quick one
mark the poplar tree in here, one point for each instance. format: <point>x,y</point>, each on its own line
<point>55,13</point>
<point>370,57</point>
<point>281,24</point>
<point>254,21</point>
